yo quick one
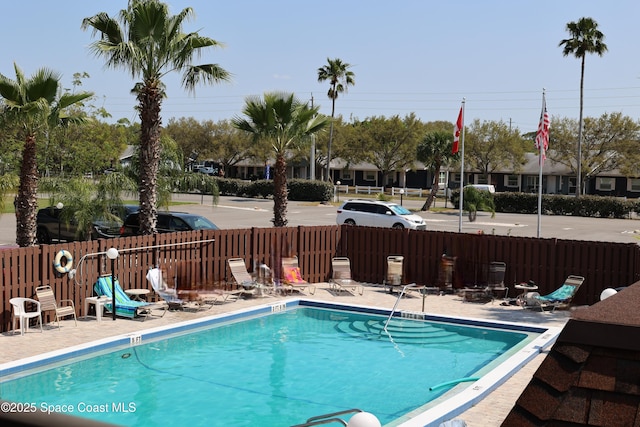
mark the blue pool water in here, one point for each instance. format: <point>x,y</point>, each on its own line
<point>269,370</point>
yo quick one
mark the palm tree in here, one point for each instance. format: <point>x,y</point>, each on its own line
<point>585,38</point>
<point>434,151</point>
<point>339,76</point>
<point>284,122</point>
<point>148,42</point>
<point>36,105</point>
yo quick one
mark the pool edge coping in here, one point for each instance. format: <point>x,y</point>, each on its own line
<point>463,400</point>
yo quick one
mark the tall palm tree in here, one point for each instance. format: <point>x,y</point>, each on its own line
<point>284,122</point>
<point>148,42</point>
<point>434,151</point>
<point>585,38</point>
<point>340,77</point>
<point>36,105</point>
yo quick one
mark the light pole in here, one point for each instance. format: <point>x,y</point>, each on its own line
<point>338,190</point>
<point>112,254</point>
<point>59,206</point>
<point>401,194</point>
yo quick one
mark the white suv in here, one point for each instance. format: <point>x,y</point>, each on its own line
<point>374,213</point>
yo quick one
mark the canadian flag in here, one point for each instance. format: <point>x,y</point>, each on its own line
<point>456,133</point>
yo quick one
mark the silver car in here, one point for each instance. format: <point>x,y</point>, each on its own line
<point>375,213</point>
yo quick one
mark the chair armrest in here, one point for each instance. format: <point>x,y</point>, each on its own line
<point>70,302</point>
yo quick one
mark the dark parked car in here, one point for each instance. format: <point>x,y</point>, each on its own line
<point>168,222</point>
<point>51,228</point>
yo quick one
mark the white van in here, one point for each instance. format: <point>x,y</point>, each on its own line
<point>375,213</point>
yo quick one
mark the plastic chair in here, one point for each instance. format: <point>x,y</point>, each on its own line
<point>20,313</point>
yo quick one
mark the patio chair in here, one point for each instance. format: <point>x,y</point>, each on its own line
<point>162,288</point>
<point>125,306</point>
<point>214,296</point>
<point>394,279</point>
<point>21,313</point>
<point>560,298</point>
<point>495,281</point>
<point>241,277</point>
<point>177,299</point>
<point>341,280</point>
<point>292,277</point>
<point>48,303</point>
<point>395,270</point>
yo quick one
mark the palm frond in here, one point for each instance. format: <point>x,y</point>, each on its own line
<point>208,73</point>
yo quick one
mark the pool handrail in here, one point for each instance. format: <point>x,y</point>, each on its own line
<point>411,286</point>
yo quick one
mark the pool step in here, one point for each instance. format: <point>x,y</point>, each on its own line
<point>400,331</point>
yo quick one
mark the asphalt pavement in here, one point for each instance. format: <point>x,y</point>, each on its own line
<point>237,212</point>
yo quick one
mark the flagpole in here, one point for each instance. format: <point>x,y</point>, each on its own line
<point>461,171</point>
<point>540,162</point>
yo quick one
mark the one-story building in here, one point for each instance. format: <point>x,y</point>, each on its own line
<point>556,178</point>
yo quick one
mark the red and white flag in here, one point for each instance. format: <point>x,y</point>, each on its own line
<point>542,135</point>
<point>456,133</point>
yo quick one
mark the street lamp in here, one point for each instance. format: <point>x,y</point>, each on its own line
<point>338,188</point>
<point>112,254</point>
<point>59,206</point>
<point>401,194</point>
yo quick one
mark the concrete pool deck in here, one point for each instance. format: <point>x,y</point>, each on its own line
<point>491,411</point>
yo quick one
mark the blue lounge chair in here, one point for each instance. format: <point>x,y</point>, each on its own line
<point>125,306</point>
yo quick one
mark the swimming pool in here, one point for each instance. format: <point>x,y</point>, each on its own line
<point>305,358</point>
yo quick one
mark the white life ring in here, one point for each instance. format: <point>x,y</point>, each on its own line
<point>68,264</point>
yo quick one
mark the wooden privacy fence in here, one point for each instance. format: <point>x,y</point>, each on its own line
<point>546,261</point>
<point>198,260</point>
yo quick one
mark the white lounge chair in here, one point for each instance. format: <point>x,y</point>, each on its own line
<point>243,280</point>
<point>341,280</point>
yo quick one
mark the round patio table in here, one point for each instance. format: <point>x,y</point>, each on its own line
<point>137,294</point>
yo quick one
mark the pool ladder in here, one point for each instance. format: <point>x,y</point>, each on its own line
<point>393,310</point>
<point>328,418</point>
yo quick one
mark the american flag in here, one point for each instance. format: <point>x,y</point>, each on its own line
<point>542,135</point>
<point>456,133</point>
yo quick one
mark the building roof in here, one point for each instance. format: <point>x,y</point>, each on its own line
<point>128,153</point>
<point>591,376</point>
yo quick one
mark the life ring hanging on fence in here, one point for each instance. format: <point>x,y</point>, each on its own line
<point>68,264</point>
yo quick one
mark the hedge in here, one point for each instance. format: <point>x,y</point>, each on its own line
<point>299,189</point>
<point>556,204</point>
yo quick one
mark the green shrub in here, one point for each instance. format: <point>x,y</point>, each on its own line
<point>474,200</point>
<point>299,189</point>
<point>383,197</point>
<point>311,191</point>
<point>192,183</point>
<point>558,204</point>
<point>231,186</point>
<point>511,202</point>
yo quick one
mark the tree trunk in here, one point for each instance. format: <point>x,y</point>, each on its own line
<point>280,192</point>
<point>26,201</point>
<point>150,99</point>
<point>580,125</point>
<point>434,189</point>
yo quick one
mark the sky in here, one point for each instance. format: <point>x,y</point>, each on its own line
<point>408,56</point>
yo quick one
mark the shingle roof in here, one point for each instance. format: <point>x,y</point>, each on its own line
<point>591,376</point>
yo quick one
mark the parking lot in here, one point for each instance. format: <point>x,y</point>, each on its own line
<point>236,212</point>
